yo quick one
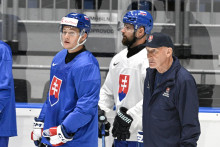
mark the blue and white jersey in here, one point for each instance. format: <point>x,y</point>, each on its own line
<point>73,98</point>
<point>124,87</point>
<point>7,95</point>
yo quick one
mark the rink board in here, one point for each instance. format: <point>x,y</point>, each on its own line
<point>209,121</point>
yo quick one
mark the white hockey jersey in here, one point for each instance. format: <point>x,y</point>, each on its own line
<point>124,87</point>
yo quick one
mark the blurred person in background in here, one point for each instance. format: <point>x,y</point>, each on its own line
<point>8,127</point>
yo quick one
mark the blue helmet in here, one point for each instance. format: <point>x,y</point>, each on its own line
<point>139,18</point>
<point>80,21</point>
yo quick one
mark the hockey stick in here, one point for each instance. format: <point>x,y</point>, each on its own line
<point>41,144</point>
<point>140,144</point>
<point>140,139</point>
<point>103,134</point>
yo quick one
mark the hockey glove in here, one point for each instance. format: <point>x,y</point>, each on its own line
<point>122,125</point>
<point>103,121</point>
<point>36,134</point>
<point>57,135</point>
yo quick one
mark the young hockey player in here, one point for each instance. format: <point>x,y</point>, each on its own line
<point>7,96</point>
<point>124,83</point>
<point>69,116</point>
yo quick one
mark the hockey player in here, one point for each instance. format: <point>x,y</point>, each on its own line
<point>69,116</point>
<point>7,96</point>
<point>124,83</point>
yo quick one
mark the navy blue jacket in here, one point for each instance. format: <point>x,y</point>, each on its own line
<point>170,112</point>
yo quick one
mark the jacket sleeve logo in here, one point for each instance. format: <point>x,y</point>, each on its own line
<point>54,90</point>
<point>123,86</point>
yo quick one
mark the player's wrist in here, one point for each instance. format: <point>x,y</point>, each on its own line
<point>37,119</point>
<point>65,134</point>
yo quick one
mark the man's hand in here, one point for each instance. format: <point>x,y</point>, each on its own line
<point>103,121</point>
<point>122,125</point>
<point>36,134</point>
<point>57,135</point>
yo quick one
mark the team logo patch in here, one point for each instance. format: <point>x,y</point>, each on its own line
<point>69,21</point>
<point>123,86</point>
<point>86,18</point>
<point>150,38</point>
<point>54,90</point>
<point>143,13</point>
<point>167,92</point>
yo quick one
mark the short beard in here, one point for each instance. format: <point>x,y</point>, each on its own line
<point>127,42</point>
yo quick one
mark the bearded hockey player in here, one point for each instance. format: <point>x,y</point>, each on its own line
<point>124,83</point>
<point>69,116</point>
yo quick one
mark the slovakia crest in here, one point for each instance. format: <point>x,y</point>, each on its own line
<point>54,90</point>
<point>123,86</point>
<point>150,38</point>
<point>167,92</point>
